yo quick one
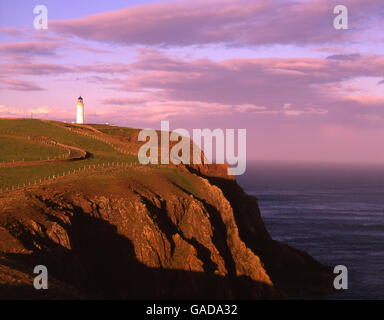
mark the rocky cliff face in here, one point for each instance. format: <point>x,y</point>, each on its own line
<point>165,233</point>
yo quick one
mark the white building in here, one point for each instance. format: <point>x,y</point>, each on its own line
<point>80,111</point>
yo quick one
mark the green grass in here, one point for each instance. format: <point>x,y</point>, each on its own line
<point>17,149</point>
<point>156,178</point>
<point>42,128</point>
<point>181,179</point>
<point>113,130</point>
<point>99,151</point>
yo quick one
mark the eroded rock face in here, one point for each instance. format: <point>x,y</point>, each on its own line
<point>143,241</point>
<point>289,269</point>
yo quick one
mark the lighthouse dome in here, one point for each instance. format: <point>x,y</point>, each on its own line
<point>80,110</point>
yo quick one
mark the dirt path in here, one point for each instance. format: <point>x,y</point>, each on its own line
<point>74,154</point>
<point>94,133</point>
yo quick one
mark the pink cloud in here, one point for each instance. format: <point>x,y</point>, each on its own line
<point>150,109</point>
<point>250,108</point>
<point>269,82</point>
<point>33,68</point>
<point>290,88</point>
<point>367,100</point>
<point>43,112</point>
<point>104,68</point>
<point>10,31</point>
<point>239,23</point>
<point>11,111</point>
<point>296,112</point>
<point>124,101</point>
<point>156,85</point>
<point>28,48</point>
<point>20,85</point>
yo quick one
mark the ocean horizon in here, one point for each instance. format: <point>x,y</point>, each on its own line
<point>334,212</point>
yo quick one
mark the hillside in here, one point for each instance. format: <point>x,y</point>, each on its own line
<point>108,227</point>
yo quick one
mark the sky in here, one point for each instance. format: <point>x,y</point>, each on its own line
<point>304,90</point>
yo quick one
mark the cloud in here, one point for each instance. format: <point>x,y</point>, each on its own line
<point>33,68</point>
<point>124,101</point>
<point>104,68</point>
<point>250,108</point>
<point>231,22</point>
<point>20,85</point>
<point>42,112</point>
<point>10,31</point>
<point>367,100</point>
<point>151,109</point>
<point>148,109</point>
<point>85,47</point>
<point>22,67</point>
<point>28,48</point>
<point>308,111</point>
<point>269,82</point>
<point>11,111</point>
<point>345,57</point>
<point>159,85</point>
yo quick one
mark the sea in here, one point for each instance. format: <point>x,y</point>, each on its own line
<point>335,212</point>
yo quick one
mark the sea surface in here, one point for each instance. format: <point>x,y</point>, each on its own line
<point>333,212</point>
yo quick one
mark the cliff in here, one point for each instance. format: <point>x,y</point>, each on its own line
<point>147,233</point>
<point>107,227</point>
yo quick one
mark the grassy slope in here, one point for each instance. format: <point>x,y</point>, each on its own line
<point>99,151</point>
<point>156,179</point>
<point>18,148</point>
<point>113,130</point>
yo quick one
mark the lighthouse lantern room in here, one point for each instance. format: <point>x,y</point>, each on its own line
<point>80,111</point>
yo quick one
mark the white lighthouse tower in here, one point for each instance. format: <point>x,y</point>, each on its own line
<point>80,111</point>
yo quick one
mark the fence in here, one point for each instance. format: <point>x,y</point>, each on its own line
<point>96,137</point>
<point>40,140</point>
<point>64,174</point>
<point>70,149</point>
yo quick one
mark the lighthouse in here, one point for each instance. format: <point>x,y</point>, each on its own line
<point>80,111</point>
